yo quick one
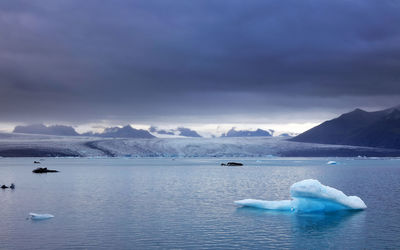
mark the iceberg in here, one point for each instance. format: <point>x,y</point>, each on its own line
<point>309,196</point>
<point>35,216</point>
<point>331,163</point>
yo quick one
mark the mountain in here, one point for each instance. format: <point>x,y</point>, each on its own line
<point>358,128</point>
<point>164,132</point>
<point>187,132</point>
<point>154,129</point>
<point>46,130</point>
<point>246,133</point>
<point>124,132</point>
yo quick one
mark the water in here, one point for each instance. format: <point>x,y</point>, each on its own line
<point>188,203</point>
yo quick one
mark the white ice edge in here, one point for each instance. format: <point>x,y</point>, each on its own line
<point>35,216</point>
<point>310,196</point>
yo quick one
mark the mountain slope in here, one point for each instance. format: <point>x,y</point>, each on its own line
<point>124,132</point>
<point>358,128</point>
<point>187,132</point>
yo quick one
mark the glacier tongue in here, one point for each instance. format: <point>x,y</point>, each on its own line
<point>310,196</point>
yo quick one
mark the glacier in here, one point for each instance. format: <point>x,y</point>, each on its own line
<point>35,216</point>
<point>309,196</point>
<point>30,145</point>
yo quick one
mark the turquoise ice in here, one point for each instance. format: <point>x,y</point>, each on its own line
<point>309,196</point>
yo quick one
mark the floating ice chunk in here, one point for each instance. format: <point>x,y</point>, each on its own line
<point>310,196</point>
<point>35,216</point>
<point>283,205</point>
<point>331,163</point>
<point>330,198</point>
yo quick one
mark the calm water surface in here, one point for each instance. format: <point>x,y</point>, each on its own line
<point>188,203</point>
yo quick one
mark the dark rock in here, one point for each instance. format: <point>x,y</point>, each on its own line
<point>43,170</point>
<point>3,187</point>
<point>36,162</point>
<point>232,164</point>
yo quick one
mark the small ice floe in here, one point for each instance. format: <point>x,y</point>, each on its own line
<point>331,163</point>
<point>309,196</point>
<point>34,216</point>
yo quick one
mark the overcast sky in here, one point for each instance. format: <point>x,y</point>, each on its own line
<point>196,62</point>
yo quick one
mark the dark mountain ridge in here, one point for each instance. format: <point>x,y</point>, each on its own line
<point>61,130</point>
<point>358,128</point>
<point>187,132</point>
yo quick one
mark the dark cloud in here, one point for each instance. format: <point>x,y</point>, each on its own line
<point>195,61</point>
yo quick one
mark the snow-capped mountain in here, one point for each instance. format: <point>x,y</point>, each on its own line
<point>46,130</point>
<point>247,133</point>
<point>124,132</point>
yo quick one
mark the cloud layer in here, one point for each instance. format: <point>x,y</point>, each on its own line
<point>196,61</point>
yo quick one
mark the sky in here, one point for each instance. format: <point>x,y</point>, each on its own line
<point>284,65</point>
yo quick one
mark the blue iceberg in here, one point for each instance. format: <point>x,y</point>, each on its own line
<point>35,216</point>
<point>309,196</point>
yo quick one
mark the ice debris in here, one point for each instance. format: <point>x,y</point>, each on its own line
<point>35,216</point>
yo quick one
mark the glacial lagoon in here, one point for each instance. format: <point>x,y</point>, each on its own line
<point>188,203</point>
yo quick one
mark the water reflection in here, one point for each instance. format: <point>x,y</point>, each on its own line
<point>310,230</point>
<point>326,221</point>
<point>325,229</point>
